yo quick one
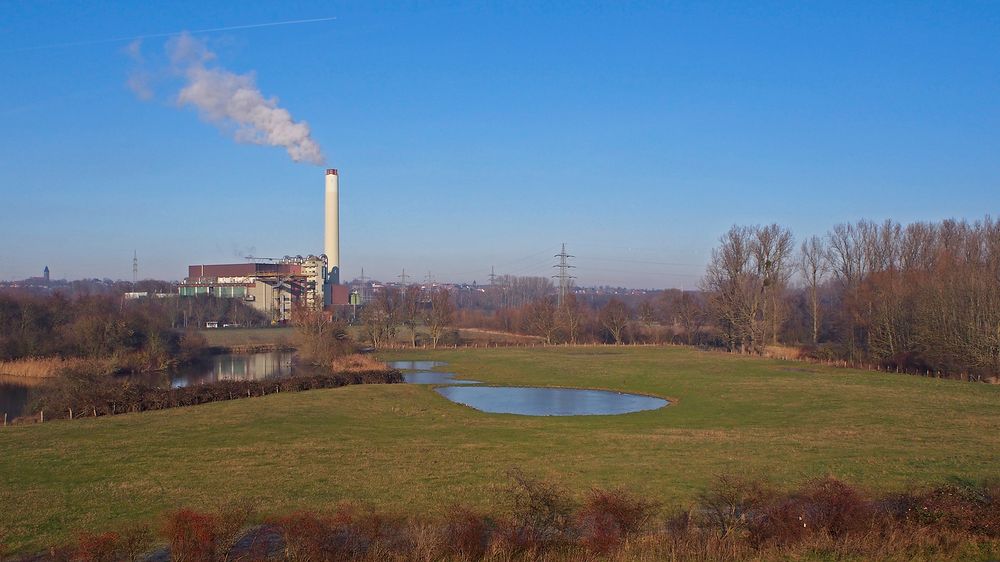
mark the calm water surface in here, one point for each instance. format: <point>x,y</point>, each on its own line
<point>530,401</point>
<point>419,372</point>
<point>15,393</point>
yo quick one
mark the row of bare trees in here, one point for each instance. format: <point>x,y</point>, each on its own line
<point>143,331</point>
<point>674,316</point>
<point>922,295</point>
<point>410,307</point>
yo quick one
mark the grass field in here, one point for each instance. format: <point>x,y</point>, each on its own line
<point>404,448</point>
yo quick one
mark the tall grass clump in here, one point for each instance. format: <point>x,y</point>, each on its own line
<point>356,363</point>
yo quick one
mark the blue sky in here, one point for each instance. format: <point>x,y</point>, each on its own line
<point>474,134</point>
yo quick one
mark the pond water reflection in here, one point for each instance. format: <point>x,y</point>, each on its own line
<point>531,401</point>
<point>418,372</point>
<point>16,392</point>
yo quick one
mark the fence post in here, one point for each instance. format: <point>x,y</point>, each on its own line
<point>5,419</point>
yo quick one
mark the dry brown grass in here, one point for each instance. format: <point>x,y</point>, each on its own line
<point>357,363</point>
<point>782,352</point>
<point>38,367</point>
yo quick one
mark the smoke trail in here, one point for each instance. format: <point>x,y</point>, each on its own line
<point>234,103</point>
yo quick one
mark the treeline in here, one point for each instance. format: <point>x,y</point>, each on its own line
<point>733,519</point>
<point>143,334</point>
<point>924,296</point>
<point>394,310</point>
<point>672,316</point>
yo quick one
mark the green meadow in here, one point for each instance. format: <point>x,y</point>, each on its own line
<point>405,449</point>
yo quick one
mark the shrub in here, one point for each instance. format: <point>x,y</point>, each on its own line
<point>357,363</point>
<point>730,503</point>
<point>465,533</point>
<point>192,536</point>
<point>308,537</point>
<point>541,514</point>
<point>88,394</point>
<point>959,506</point>
<point>103,547</point>
<point>835,507</point>
<point>609,516</point>
<point>232,521</point>
<point>128,545</point>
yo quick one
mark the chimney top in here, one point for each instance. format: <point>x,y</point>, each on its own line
<point>331,171</point>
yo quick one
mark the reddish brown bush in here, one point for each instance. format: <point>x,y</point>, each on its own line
<point>192,536</point>
<point>308,536</point>
<point>835,507</point>
<point>465,533</point>
<point>102,547</point>
<point>608,516</point>
<point>957,507</point>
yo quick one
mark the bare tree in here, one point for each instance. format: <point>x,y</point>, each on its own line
<point>814,266</point>
<point>319,340</point>
<point>735,286</point>
<point>772,251</point>
<point>615,318</point>
<point>381,316</point>
<point>541,318</point>
<point>439,314</point>
<point>570,317</point>
<point>686,309</point>
<point>410,311</point>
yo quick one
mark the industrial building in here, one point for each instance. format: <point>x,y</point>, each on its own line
<point>276,286</point>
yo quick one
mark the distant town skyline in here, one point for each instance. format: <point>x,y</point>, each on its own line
<point>469,137</point>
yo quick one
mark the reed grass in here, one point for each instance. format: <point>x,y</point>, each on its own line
<point>38,367</point>
<point>357,363</point>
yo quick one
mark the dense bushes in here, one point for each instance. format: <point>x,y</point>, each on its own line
<point>140,334</point>
<point>130,335</point>
<point>735,519</point>
<point>78,394</point>
<point>319,340</point>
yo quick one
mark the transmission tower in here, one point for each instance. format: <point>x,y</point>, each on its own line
<point>493,277</point>
<point>563,276</point>
<point>364,286</point>
<point>403,277</point>
<point>135,268</point>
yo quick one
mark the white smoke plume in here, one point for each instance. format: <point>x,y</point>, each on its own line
<point>234,103</point>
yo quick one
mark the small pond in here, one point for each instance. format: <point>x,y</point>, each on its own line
<point>525,401</point>
<point>531,401</point>
<point>419,372</point>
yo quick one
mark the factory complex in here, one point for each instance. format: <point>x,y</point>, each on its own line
<point>277,286</point>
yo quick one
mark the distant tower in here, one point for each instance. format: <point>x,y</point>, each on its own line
<point>45,274</point>
<point>565,279</point>
<point>135,269</point>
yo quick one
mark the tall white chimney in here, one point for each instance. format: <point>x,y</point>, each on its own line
<point>331,233</point>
